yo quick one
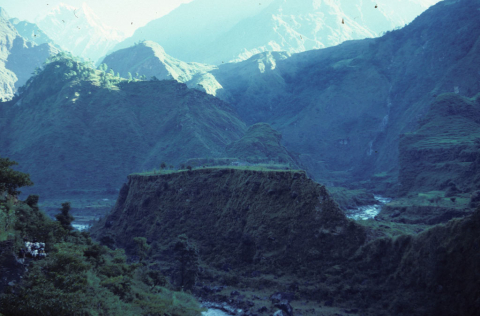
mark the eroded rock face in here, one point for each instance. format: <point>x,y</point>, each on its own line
<point>239,217</point>
<point>249,229</point>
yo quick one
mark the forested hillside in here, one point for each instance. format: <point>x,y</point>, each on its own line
<point>76,128</point>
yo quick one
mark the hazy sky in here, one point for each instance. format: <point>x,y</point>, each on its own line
<point>116,13</point>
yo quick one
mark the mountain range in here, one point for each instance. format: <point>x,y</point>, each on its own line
<point>291,162</point>
<point>343,108</point>
<point>150,59</point>
<point>31,32</point>
<point>235,31</point>
<point>18,57</point>
<point>79,31</point>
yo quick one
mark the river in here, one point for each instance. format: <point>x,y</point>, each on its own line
<point>368,211</point>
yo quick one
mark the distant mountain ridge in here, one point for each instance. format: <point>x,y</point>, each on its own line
<point>344,108</point>
<point>199,31</point>
<point>184,31</point>
<point>18,57</point>
<point>31,32</point>
<point>150,59</point>
<point>80,31</point>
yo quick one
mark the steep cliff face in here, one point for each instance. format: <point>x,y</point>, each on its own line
<point>279,230</point>
<point>275,219</point>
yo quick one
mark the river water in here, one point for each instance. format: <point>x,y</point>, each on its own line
<point>368,211</point>
<point>214,312</point>
<point>80,227</point>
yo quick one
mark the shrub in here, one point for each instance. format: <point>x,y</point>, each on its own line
<point>11,180</point>
<point>64,217</point>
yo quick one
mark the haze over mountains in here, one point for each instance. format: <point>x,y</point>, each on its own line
<point>31,32</point>
<point>236,30</point>
<point>354,100</point>
<point>326,170</point>
<point>18,57</point>
<point>79,30</point>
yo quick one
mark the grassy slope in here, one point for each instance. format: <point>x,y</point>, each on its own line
<point>74,129</point>
<point>266,205</point>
